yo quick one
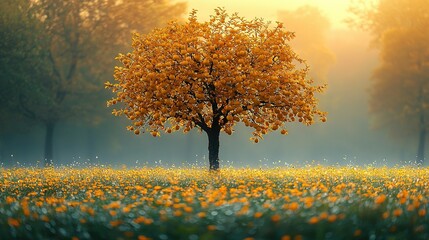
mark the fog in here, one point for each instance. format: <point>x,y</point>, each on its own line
<point>349,137</point>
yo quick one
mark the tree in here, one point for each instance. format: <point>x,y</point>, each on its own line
<point>212,75</point>
<point>399,95</point>
<point>19,62</point>
<point>76,42</point>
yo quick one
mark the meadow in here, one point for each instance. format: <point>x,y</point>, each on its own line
<point>313,202</point>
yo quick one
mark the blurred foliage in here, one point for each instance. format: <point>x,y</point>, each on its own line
<point>55,55</point>
<point>400,90</point>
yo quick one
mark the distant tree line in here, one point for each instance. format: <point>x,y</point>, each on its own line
<point>56,55</point>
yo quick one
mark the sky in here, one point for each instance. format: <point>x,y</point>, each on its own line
<point>335,10</point>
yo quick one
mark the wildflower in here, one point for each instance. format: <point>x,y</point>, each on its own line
<point>275,218</point>
<point>13,222</point>
<point>115,223</point>
<point>44,218</point>
<point>10,200</point>
<point>332,218</point>
<point>293,206</point>
<point>177,213</point>
<point>422,212</point>
<point>385,215</point>
<point>286,237</point>
<point>142,237</point>
<point>257,215</point>
<point>188,209</point>
<point>313,220</point>
<point>298,237</point>
<point>211,227</point>
<point>397,212</point>
<point>357,233</point>
<point>380,199</point>
<point>323,215</point>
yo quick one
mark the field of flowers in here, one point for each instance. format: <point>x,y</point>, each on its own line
<point>312,202</point>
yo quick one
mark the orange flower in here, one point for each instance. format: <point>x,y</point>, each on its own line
<point>397,212</point>
<point>177,213</point>
<point>115,223</point>
<point>142,237</point>
<point>332,218</point>
<point>201,214</point>
<point>380,199</point>
<point>211,227</point>
<point>323,215</point>
<point>313,220</point>
<point>385,215</point>
<point>13,222</point>
<point>44,218</point>
<point>286,237</point>
<point>357,233</point>
<point>422,212</point>
<point>10,200</point>
<point>275,218</point>
<point>293,206</point>
<point>257,215</point>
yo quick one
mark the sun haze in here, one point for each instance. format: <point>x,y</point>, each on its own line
<point>335,10</point>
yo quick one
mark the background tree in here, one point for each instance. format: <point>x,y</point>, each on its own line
<point>399,97</point>
<point>212,75</point>
<point>76,43</point>
<point>19,63</point>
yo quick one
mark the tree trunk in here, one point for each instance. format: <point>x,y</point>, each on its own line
<point>213,135</point>
<point>421,149</point>
<point>422,137</point>
<point>49,143</point>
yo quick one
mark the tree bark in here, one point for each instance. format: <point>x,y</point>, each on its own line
<point>213,135</point>
<point>49,143</point>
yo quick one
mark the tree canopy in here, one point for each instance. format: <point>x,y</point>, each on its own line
<point>212,75</point>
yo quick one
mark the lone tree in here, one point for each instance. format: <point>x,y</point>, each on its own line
<point>212,75</point>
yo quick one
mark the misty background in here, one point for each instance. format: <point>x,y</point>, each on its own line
<point>341,58</point>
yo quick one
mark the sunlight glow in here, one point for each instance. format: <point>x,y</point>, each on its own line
<point>335,10</point>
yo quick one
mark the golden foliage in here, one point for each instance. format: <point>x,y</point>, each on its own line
<point>213,75</point>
